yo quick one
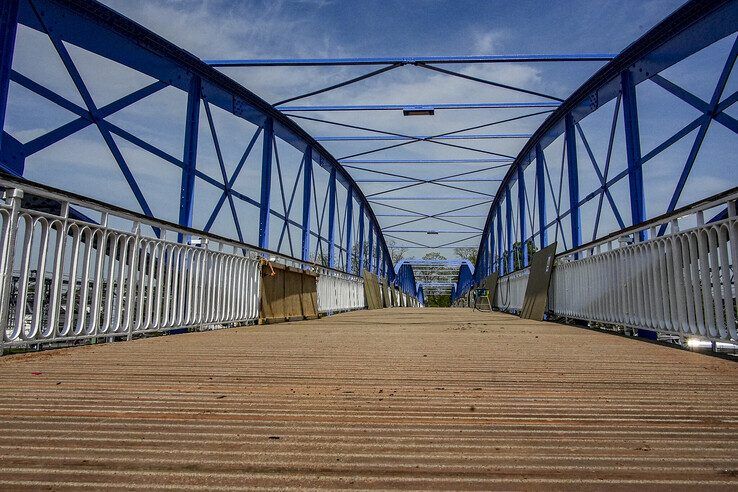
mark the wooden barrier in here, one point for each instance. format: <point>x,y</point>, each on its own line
<point>287,294</point>
<point>372,291</point>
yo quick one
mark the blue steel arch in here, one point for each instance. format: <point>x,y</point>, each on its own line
<point>100,30</point>
<point>689,29</point>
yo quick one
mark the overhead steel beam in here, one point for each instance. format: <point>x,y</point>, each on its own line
<point>411,60</point>
<point>425,161</point>
<point>361,138</point>
<point>692,27</point>
<point>418,107</point>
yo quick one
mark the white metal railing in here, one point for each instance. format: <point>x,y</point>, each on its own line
<point>510,291</point>
<point>339,291</point>
<point>681,284</point>
<point>64,277</point>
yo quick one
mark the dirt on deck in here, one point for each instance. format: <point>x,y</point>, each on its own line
<point>397,398</point>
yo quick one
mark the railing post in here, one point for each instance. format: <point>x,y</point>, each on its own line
<point>332,218</point>
<point>541,193</point>
<point>349,228</point>
<point>266,183</point>
<point>521,216</point>
<point>132,279</point>
<point>189,158</point>
<point>361,238</point>
<point>509,231</point>
<point>13,197</point>
<point>307,180</point>
<point>573,175</point>
<point>633,149</point>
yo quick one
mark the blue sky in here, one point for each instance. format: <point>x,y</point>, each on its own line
<point>325,28</point>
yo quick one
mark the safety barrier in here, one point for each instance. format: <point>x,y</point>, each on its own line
<point>74,270</point>
<point>681,284</point>
<point>67,277</point>
<point>339,292</point>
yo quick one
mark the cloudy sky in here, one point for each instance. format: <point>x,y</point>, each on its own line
<point>327,28</point>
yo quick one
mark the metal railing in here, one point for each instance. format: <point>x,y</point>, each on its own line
<point>680,284</point>
<point>74,269</point>
<point>511,291</point>
<point>339,291</point>
<point>66,277</point>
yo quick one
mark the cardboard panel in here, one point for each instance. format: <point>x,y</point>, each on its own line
<point>386,294</point>
<point>371,291</point>
<point>536,292</point>
<point>309,296</point>
<point>287,294</point>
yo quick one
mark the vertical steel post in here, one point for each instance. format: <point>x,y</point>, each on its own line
<point>509,231</point>
<point>633,149</point>
<point>541,191</point>
<point>492,265</point>
<point>521,217</point>
<point>500,262</point>
<point>349,228</point>
<point>266,183</point>
<point>307,180</point>
<point>573,175</point>
<point>8,28</point>
<point>189,159</point>
<point>361,238</point>
<point>371,246</point>
<point>332,218</point>
<point>379,252</point>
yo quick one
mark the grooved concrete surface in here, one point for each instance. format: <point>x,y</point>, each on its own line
<point>398,398</point>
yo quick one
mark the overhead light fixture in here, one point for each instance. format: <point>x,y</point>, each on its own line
<point>418,111</point>
<point>432,232</point>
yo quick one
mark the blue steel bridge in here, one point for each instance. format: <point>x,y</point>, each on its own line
<point>118,147</point>
<point>147,192</point>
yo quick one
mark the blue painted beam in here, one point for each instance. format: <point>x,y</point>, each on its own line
<point>307,198</point>
<point>266,183</point>
<point>431,198</point>
<point>189,158</point>
<point>500,262</point>
<point>411,60</point>
<point>425,161</point>
<point>444,180</point>
<point>349,228</point>
<point>370,248</point>
<point>416,107</point>
<point>573,179</point>
<point>8,28</point>
<point>361,238</point>
<point>521,216</point>
<point>633,151</point>
<point>541,195</point>
<point>362,138</point>
<point>332,218</point>
<point>509,231</point>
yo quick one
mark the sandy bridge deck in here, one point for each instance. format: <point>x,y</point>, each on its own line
<point>406,398</point>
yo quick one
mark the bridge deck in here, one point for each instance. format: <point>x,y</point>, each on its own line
<point>396,398</point>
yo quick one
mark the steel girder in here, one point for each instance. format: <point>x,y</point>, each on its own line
<point>688,30</point>
<point>100,30</point>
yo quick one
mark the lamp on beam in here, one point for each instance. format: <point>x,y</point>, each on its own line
<point>418,111</point>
